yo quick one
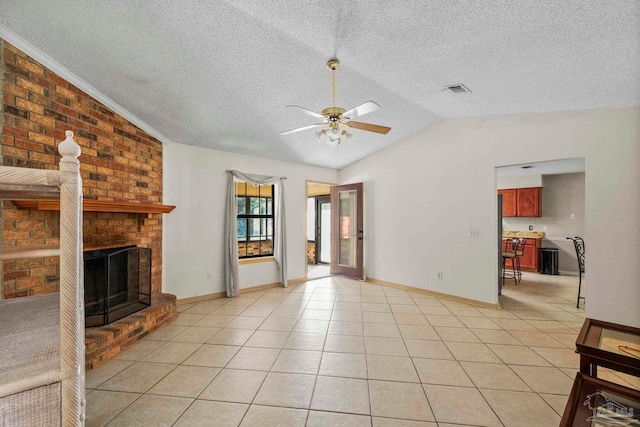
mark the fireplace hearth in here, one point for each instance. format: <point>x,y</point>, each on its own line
<point>117,282</point>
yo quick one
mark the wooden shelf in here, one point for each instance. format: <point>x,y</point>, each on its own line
<point>23,252</point>
<point>89,205</point>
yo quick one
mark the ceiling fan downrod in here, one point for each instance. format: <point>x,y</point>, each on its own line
<point>333,66</point>
<point>333,113</point>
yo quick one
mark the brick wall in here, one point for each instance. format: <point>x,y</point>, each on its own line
<point>311,252</point>
<point>119,162</point>
<point>253,248</point>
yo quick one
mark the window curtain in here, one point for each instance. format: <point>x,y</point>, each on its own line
<point>231,231</point>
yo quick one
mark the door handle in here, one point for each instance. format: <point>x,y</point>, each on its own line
<point>359,234</point>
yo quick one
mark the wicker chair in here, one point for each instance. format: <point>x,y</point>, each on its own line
<point>42,336</point>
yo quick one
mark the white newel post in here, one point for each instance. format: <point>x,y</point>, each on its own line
<point>71,285</point>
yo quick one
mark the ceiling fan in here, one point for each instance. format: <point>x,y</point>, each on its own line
<point>336,120</point>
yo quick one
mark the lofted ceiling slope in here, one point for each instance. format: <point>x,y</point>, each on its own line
<point>219,73</point>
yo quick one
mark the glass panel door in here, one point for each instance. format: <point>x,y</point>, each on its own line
<point>347,243</point>
<point>347,230</point>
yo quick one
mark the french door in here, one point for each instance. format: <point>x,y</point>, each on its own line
<point>347,230</point>
<point>323,230</point>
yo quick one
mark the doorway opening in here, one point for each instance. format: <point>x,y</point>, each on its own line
<point>318,245</point>
<point>540,205</point>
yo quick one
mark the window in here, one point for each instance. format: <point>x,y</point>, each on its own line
<point>255,219</point>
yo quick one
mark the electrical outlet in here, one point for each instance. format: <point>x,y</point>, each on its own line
<point>473,232</point>
<point>544,228</point>
<point>573,216</point>
<point>439,275</point>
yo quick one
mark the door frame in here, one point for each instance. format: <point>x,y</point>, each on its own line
<point>308,182</point>
<point>498,229</point>
<point>320,200</point>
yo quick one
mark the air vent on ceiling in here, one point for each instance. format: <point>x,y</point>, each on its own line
<point>459,88</point>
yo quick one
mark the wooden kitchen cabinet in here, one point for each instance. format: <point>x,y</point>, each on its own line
<point>530,259</point>
<point>521,202</point>
<point>508,202</point>
<point>529,202</point>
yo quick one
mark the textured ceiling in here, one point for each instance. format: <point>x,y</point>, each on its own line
<point>220,73</point>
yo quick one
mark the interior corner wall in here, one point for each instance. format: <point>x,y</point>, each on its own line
<point>195,182</point>
<point>424,193</point>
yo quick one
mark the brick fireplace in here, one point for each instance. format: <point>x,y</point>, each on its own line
<point>119,163</point>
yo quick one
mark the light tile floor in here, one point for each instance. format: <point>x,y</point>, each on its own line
<point>315,271</point>
<point>335,351</point>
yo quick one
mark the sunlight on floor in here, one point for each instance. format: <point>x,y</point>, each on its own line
<point>318,270</point>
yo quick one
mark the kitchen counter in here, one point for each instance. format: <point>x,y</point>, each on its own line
<point>524,234</point>
<point>530,259</point>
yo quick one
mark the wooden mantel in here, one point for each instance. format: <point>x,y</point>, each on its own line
<point>89,205</point>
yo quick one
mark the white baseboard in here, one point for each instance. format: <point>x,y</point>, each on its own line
<point>456,298</point>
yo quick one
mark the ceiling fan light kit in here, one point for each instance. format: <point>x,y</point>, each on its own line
<point>335,119</point>
<point>333,136</point>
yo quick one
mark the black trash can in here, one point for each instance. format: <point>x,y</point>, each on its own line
<point>549,260</point>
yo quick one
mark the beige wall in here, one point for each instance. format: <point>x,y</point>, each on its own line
<point>318,190</point>
<point>520,182</point>
<point>196,183</point>
<point>451,165</point>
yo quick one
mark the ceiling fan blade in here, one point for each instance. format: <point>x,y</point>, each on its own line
<point>361,110</point>
<point>309,112</point>
<point>369,127</point>
<point>300,129</point>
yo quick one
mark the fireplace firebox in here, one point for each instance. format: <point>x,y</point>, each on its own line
<point>117,282</point>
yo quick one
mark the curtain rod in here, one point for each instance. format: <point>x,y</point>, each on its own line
<point>229,171</point>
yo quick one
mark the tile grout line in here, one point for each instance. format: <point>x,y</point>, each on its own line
<point>337,288</point>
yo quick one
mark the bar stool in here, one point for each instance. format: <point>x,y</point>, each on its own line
<point>578,243</point>
<point>509,253</point>
<point>519,249</point>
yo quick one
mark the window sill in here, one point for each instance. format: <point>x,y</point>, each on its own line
<point>255,260</point>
